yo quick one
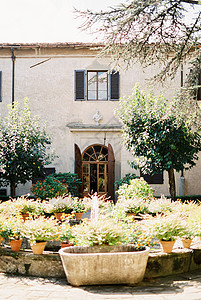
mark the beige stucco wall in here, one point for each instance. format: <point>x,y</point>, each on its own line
<point>50,89</point>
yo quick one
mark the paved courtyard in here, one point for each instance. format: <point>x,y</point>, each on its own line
<point>184,287</point>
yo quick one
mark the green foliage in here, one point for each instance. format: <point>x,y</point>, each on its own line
<point>125,179</point>
<point>137,188</point>
<point>49,188</point>
<point>148,32</point>
<point>22,146</point>
<point>71,180</point>
<point>104,231</point>
<point>161,135</point>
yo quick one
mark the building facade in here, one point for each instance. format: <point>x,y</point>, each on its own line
<point>75,92</point>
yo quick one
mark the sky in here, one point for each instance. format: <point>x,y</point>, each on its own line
<point>32,21</point>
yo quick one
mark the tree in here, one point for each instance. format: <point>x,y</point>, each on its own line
<point>22,146</point>
<point>149,32</point>
<point>161,135</point>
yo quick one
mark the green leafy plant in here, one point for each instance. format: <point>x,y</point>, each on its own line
<point>12,228</point>
<point>22,146</point>
<point>65,232</point>
<point>136,188</point>
<point>166,228</point>
<point>49,188</point>
<point>104,231</point>
<point>126,179</point>
<point>61,204</point>
<point>40,229</point>
<point>71,180</point>
<point>138,236</point>
<point>78,205</point>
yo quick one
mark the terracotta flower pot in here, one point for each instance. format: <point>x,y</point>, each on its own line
<point>15,245</point>
<point>167,246</point>
<point>65,244</point>
<point>58,215</point>
<point>25,216</point>
<point>38,248</point>
<point>186,243</point>
<point>78,216</point>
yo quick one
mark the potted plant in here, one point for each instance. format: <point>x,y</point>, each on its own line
<point>60,205</point>
<point>39,231</point>
<point>11,230</point>
<point>65,234</point>
<point>166,229</point>
<point>133,207</point>
<point>101,255</point>
<point>78,208</point>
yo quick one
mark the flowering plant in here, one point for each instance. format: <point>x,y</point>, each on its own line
<point>78,205</point>
<point>49,188</point>
<point>167,227</point>
<point>61,204</point>
<point>100,232</point>
<point>11,228</point>
<point>65,232</point>
<point>40,229</point>
<point>138,236</point>
<point>134,205</point>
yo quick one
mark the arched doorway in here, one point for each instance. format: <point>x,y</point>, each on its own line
<point>95,170</point>
<point>95,167</point>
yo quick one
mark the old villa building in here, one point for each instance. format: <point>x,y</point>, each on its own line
<point>76,93</point>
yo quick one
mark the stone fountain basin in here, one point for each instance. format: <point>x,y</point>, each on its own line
<point>104,265</point>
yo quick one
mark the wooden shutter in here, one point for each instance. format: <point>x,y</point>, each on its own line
<point>80,85</point>
<point>111,172</point>
<point>114,85</point>
<point>199,89</point>
<point>78,164</point>
<point>0,86</point>
<point>153,179</point>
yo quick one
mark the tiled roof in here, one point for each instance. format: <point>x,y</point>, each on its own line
<point>49,45</point>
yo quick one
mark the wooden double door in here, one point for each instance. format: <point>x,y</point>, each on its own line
<point>95,167</point>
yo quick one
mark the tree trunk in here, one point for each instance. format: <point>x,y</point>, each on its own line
<point>12,189</point>
<point>172,187</point>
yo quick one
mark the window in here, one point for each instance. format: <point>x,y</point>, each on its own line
<point>45,172</point>
<point>199,89</point>
<point>96,85</point>
<point>153,179</point>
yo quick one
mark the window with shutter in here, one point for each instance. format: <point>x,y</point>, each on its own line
<point>80,85</point>
<point>99,85</point>
<point>114,85</point>
<point>199,89</point>
<point>45,172</point>
<point>153,179</point>
<point>0,86</point>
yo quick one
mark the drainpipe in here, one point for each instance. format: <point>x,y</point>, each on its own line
<point>182,179</point>
<point>13,76</point>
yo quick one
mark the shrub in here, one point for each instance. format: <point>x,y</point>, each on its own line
<point>126,179</point>
<point>71,180</point>
<point>137,188</point>
<point>49,188</point>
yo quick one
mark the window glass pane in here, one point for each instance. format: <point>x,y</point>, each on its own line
<point>101,169</point>
<point>102,95</point>
<point>85,169</point>
<point>102,85</point>
<point>92,95</point>
<point>85,183</point>
<point>101,183</point>
<point>102,81</point>
<point>92,85</point>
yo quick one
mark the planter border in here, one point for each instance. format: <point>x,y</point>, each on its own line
<point>49,263</point>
